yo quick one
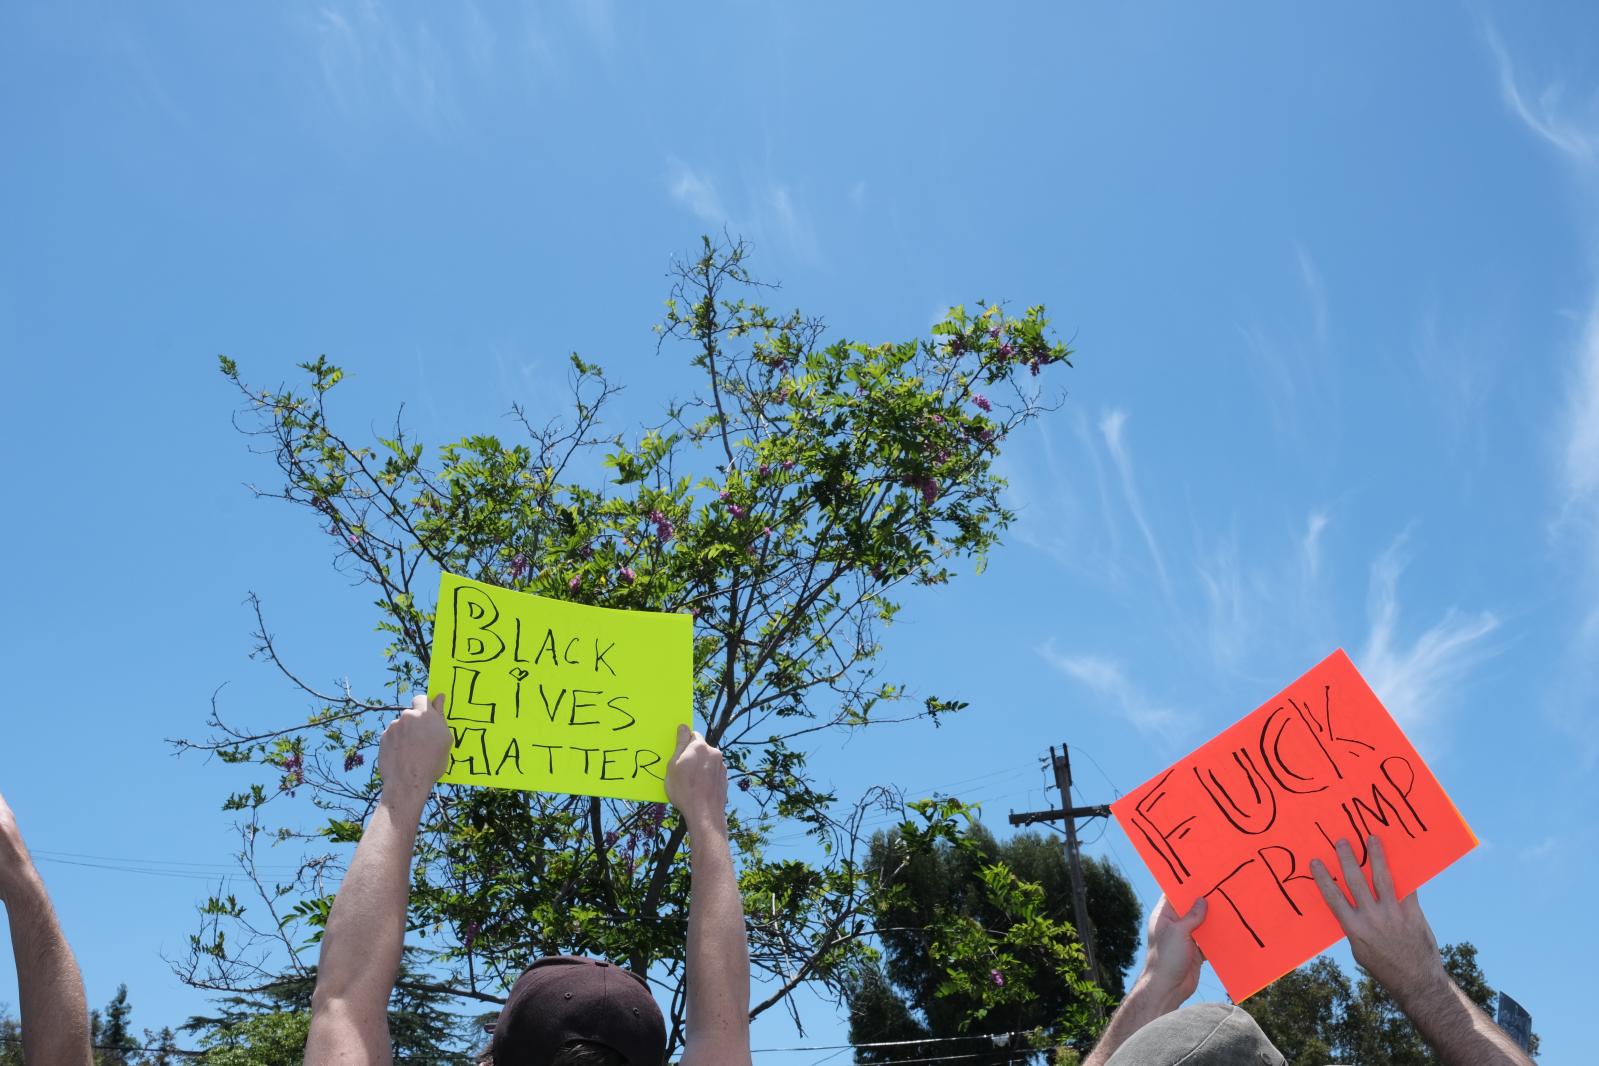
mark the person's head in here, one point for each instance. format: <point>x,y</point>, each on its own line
<point>1204,1034</point>
<point>570,1011</point>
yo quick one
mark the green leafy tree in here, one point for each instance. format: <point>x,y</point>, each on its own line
<point>111,1032</point>
<point>785,503</point>
<point>269,1026</point>
<point>976,930</point>
<point>1316,1014</point>
<point>10,1039</point>
<point>161,1049</point>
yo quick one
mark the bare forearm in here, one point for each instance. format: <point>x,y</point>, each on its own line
<point>366,927</point>
<point>55,1014</point>
<point>718,954</point>
<point>1455,1027</point>
<point>1142,1005</point>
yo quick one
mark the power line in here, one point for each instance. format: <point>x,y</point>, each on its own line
<point>891,1043</point>
<point>174,863</point>
<point>207,877</point>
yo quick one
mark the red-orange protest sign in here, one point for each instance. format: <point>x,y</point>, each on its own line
<point>1239,820</point>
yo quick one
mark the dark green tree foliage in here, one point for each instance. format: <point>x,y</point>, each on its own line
<point>1316,1015</point>
<point>10,1040</point>
<point>270,1025</point>
<point>785,503</point>
<point>110,1035</point>
<point>111,1032</point>
<point>1024,974</point>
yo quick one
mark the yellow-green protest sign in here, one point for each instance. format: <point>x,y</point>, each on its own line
<point>552,696</point>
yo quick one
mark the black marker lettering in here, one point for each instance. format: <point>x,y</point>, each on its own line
<point>605,763</point>
<point>1146,825</point>
<point>470,748</point>
<point>470,635</point>
<point>1271,753</point>
<point>549,755</point>
<point>1403,790</point>
<point>584,705</point>
<point>548,710</point>
<point>1264,804</point>
<point>1218,889</point>
<point>611,703</point>
<point>513,754</point>
<point>463,680</point>
<point>1282,879</point>
<point>639,755</point>
<point>599,656</point>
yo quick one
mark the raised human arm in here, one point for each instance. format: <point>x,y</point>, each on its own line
<point>55,1014</point>
<point>1170,975</point>
<point>718,976</point>
<point>366,927</point>
<point>1390,937</point>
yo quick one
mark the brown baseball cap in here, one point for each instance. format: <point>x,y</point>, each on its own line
<point>563,998</point>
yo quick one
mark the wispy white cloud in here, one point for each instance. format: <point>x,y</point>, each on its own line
<point>1310,545</point>
<point>1057,488</point>
<point>1110,427</point>
<point>370,59</point>
<point>1228,602</point>
<point>1416,682</point>
<point>1106,678</point>
<point>697,192</point>
<point>1573,130</point>
<point>1296,369</point>
<point>1581,453</point>
<point>1315,292</point>
<point>791,226</point>
<point>767,210</point>
<point>1546,114</point>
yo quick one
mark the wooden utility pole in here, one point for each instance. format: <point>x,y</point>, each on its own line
<point>1068,814</point>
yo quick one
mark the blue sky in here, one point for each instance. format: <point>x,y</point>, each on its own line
<point>1331,278</point>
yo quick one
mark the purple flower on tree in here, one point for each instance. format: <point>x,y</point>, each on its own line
<point>518,566</point>
<point>764,470</point>
<point>738,512</point>
<point>352,760</point>
<point>664,530</point>
<point>982,402</point>
<point>627,574</point>
<point>574,583</point>
<point>1006,351</point>
<point>997,977</point>
<point>788,464</point>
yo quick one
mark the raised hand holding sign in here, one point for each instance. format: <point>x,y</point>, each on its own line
<point>1239,821</point>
